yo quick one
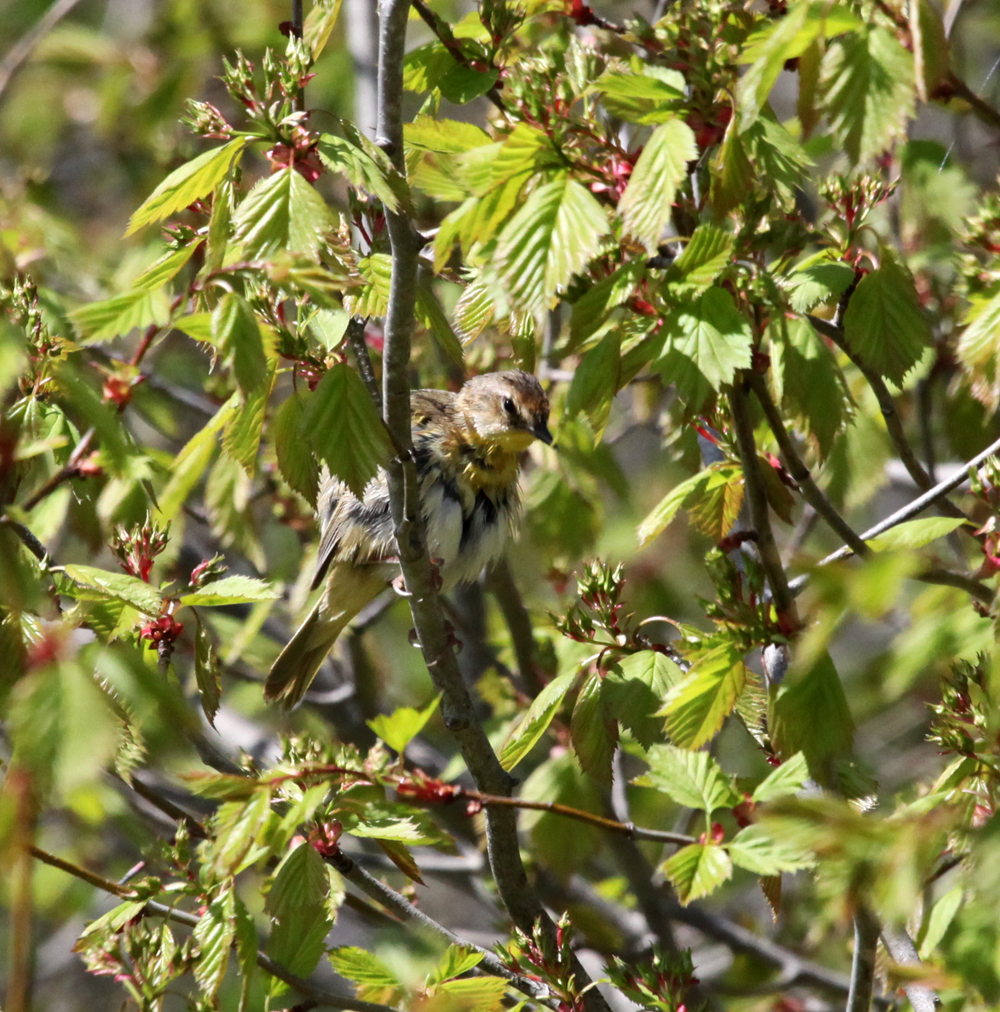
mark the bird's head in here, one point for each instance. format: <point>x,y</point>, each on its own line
<point>506,409</point>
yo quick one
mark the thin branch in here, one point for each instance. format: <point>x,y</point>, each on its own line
<point>909,511</point>
<point>901,950</point>
<point>983,111</point>
<point>22,49</point>
<point>756,493</point>
<point>963,581</point>
<point>446,37</point>
<point>800,473</point>
<point>815,497</point>
<point>866,932</point>
<point>428,619</point>
<point>406,911</point>
<point>122,892</point>
<point>626,829</point>
<point>887,406</point>
<point>356,342</point>
<point>320,996</point>
<point>71,469</point>
<point>26,537</point>
<point>500,583</point>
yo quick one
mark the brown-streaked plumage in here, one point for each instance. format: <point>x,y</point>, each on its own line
<point>467,448</point>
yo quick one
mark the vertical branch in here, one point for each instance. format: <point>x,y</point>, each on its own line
<point>19,986</point>
<point>432,632</point>
<point>500,583</point>
<point>866,931</point>
<point>757,498</point>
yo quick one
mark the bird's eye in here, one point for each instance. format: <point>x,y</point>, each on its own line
<point>508,406</point>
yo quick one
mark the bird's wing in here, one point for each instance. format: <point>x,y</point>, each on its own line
<point>360,530</point>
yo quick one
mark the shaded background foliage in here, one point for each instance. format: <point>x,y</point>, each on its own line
<point>90,125</point>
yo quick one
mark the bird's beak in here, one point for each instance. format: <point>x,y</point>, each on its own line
<point>541,431</point>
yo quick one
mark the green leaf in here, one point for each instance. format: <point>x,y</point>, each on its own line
<point>319,24</point>
<point>214,933</point>
<point>189,465</point>
<point>712,334</point>
<point>117,449</point>
<point>754,849</point>
<point>868,84</point>
<point>692,779</point>
<point>196,325</point>
<point>688,493</point>
<point>118,587</point>
<point>536,720</point>
<point>236,334</point>
<point>635,688</point>
<point>191,182</point>
<point>457,959</point>
<point>594,306</point>
<point>913,534</point>
<point>819,282</point>
<point>295,459</point>
<point>298,904</point>
<point>788,778</point>
<point>647,203</point>
<point>979,347</point>
<point>639,98</point>
<point>697,870</point>
<point>595,383</point>
<point>437,323</point>
<point>246,947</point>
<point>372,298</point>
<point>594,731</point>
<point>942,914</point>
<point>241,436</point>
<point>447,136</point>
<point>697,707</point>
<point>400,727</point>
<point>365,165</point>
<point>551,238</point>
<point>462,84</point>
<point>206,671</point>
<point>345,429</point>
<point>102,321</point>
<point>732,172</point>
<point>787,38</point>
<point>374,980</point>
<point>808,382</point>
<point>282,214</point>
<point>231,590</point>
<point>167,267</point>
<point>884,323</point>
<point>703,258</point>
<point>475,994</point>
<point>811,716</point>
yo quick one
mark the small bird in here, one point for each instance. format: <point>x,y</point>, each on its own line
<point>467,449</point>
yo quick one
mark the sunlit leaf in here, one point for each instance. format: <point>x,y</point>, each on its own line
<point>536,720</point>
<point>185,185</point>
<point>868,85</point>
<point>692,779</point>
<point>885,324</point>
<point>345,428</point>
<point>231,590</point>
<point>915,534</point>
<point>697,706</point>
<point>282,214</point>
<point>697,870</point>
<point>647,202</point>
<point>552,237</point>
<point>400,727</point>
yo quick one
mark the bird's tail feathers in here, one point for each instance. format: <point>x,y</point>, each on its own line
<point>349,589</point>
